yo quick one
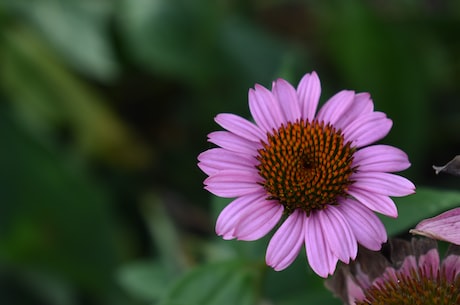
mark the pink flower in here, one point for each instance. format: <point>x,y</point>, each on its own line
<point>312,170</point>
<point>412,273</point>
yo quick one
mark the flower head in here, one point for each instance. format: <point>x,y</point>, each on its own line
<point>412,274</point>
<point>312,169</point>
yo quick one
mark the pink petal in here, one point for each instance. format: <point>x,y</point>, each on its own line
<point>366,226</point>
<point>234,143</point>
<point>260,111</point>
<point>388,275</point>
<point>383,183</point>
<point>232,213</point>
<point>320,256</point>
<point>451,266</point>
<point>287,98</point>
<point>445,226</point>
<point>240,127</point>
<point>217,159</point>
<point>362,105</point>
<point>409,263</point>
<point>286,242</point>
<point>368,129</point>
<point>362,278</point>
<point>265,109</point>
<point>354,291</point>
<point>257,223</point>
<point>338,234</point>
<point>336,107</point>
<point>233,183</point>
<point>309,91</point>
<point>381,158</point>
<point>429,262</point>
<point>376,202</point>
<point>364,101</point>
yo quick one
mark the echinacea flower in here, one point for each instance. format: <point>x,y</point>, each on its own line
<point>411,274</point>
<point>312,169</point>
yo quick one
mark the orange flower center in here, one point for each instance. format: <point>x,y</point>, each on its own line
<point>417,288</point>
<point>306,165</point>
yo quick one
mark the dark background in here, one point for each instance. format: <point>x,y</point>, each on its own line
<point>105,105</point>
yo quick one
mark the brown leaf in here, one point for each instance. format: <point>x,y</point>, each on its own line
<point>453,167</point>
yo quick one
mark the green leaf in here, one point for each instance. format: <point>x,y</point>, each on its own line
<point>164,233</point>
<point>146,280</point>
<point>54,216</point>
<point>223,283</point>
<point>255,52</point>
<point>426,203</point>
<point>47,95</point>
<point>41,288</point>
<point>174,37</point>
<point>78,30</point>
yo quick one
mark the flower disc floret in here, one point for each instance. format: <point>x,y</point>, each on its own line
<point>415,287</point>
<point>306,165</point>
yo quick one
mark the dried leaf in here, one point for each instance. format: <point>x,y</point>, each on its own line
<point>453,167</point>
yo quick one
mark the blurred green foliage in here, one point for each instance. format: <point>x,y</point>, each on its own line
<point>106,104</point>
